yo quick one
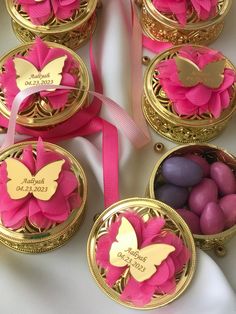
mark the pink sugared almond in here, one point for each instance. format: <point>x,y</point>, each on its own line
<point>191,219</point>
<point>223,177</point>
<point>228,206</point>
<point>212,220</point>
<point>202,194</point>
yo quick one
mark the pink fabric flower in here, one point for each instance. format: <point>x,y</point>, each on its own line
<point>198,99</point>
<point>151,232</point>
<point>39,55</point>
<point>205,9</point>
<point>43,214</point>
<point>177,7</point>
<point>41,11</point>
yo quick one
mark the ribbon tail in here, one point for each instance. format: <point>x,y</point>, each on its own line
<point>155,45</point>
<point>137,73</point>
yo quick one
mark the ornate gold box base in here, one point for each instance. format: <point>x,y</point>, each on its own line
<point>165,28</point>
<point>73,32</point>
<point>159,112</point>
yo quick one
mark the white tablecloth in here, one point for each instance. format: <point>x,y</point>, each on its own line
<point>59,282</point>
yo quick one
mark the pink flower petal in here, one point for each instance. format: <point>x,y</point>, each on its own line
<point>113,274</point>
<point>28,159</point>
<point>182,259</point>
<point>45,157</point>
<point>63,9</point>
<point>36,216</point>
<point>229,80</point>
<point>151,229</point>
<point>178,8</point>
<point>15,218</point>
<point>167,288</point>
<point>38,53</point>
<point>199,95</point>
<point>205,9</point>
<point>68,182</point>
<point>3,173</point>
<point>39,12</point>
<point>215,105</point>
<point>225,99</point>
<point>8,204</point>
<point>74,200</point>
<point>104,245</point>
<point>185,108</point>
<point>102,251</point>
<point>139,294</point>
<point>161,276</point>
<point>57,208</point>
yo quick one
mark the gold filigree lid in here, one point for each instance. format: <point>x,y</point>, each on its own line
<point>40,188</point>
<point>120,240</point>
<point>39,113</point>
<point>193,22</point>
<point>54,25</point>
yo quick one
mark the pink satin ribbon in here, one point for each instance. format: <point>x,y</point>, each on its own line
<point>137,73</point>
<point>83,123</point>
<point>155,45</point>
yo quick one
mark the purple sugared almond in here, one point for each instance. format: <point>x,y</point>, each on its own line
<point>223,177</point>
<point>228,206</point>
<point>205,192</point>
<point>201,162</point>
<point>181,171</point>
<point>212,220</point>
<point>191,219</point>
<point>172,195</point>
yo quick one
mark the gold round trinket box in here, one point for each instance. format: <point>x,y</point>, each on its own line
<point>122,254</point>
<point>71,32</point>
<point>40,113</point>
<point>160,111</point>
<point>166,28</point>
<point>211,154</point>
<point>39,211</point>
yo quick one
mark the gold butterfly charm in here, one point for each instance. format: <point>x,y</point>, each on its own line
<point>29,76</point>
<point>142,263</point>
<point>190,75</point>
<point>21,182</point>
